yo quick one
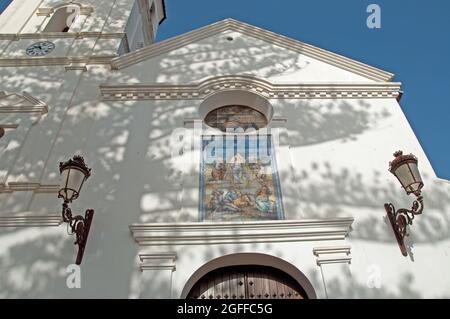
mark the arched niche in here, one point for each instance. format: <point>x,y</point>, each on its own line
<point>236,97</point>
<point>248,259</point>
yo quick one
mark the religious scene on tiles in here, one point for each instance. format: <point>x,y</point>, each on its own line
<point>239,180</point>
<point>240,186</point>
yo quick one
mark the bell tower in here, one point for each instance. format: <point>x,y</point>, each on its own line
<point>82,27</point>
<point>142,24</point>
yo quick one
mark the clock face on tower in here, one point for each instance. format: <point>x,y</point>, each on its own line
<point>40,48</point>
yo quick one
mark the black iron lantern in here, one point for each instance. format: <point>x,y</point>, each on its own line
<point>405,168</point>
<point>74,173</point>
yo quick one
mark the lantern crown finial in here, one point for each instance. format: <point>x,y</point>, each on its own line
<point>401,159</point>
<point>398,153</point>
<point>77,161</point>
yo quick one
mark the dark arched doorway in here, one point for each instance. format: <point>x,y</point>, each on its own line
<point>247,282</point>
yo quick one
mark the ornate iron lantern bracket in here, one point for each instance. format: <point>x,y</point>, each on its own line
<point>74,173</point>
<point>401,219</point>
<point>404,167</point>
<point>79,226</point>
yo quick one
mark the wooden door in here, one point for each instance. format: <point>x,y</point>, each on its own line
<point>247,282</point>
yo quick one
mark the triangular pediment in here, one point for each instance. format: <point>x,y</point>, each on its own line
<point>233,47</point>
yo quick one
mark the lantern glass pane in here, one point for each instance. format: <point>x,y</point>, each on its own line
<point>63,180</point>
<point>404,175</point>
<point>415,170</point>
<point>417,185</point>
<point>76,179</point>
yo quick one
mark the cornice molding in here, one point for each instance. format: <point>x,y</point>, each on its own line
<point>46,12</point>
<point>267,36</point>
<point>201,233</point>
<point>49,61</point>
<point>28,103</point>
<point>332,255</point>
<point>248,83</point>
<point>30,220</point>
<point>158,261</point>
<point>28,186</point>
<point>189,121</point>
<point>86,10</point>
<point>60,35</point>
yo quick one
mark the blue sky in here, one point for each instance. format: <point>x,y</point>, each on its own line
<point>4,4</point>
<point>413,43</point>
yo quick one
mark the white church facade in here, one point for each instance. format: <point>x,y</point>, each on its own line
<point>227,162</point>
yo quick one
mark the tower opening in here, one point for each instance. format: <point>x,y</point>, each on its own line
<point>62,19</point>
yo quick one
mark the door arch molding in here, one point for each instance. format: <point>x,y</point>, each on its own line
<point>241,259</point>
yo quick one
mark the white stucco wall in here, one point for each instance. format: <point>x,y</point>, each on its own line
<point>333,162</point>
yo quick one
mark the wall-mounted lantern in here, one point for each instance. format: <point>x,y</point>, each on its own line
<point>74,173</point>
<point>404,167</point>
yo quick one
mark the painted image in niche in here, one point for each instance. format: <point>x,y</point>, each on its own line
<point>239,180</point>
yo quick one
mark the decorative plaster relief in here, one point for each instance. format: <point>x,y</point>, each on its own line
<point>21,103</point>
<point>158,261</point>
<point>332,255</point>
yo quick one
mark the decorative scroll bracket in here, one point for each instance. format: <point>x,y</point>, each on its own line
<point>401,219</point>
<point>80,226</point>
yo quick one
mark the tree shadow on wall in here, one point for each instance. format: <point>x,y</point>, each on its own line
<point>33,266</point>
<point>242,55</point>
<point>33,260</point>
<point>325,192</point>
<point>313,122</point>
<point>346,287</point>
